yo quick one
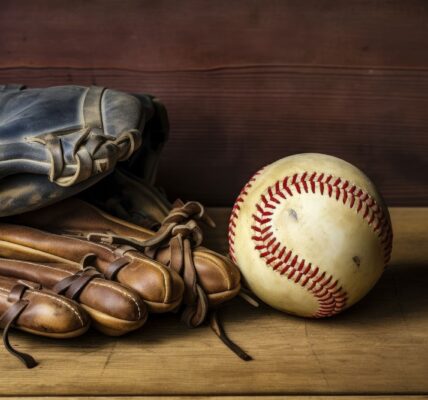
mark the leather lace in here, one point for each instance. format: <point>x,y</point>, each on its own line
<point>180,234</point>
<point>73,285</point>
<point>94,153</point>
<point>9,317</point>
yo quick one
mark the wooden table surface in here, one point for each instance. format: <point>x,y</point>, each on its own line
<point>378,347</point>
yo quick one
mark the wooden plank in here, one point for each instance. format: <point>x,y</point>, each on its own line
<point>195,34</point>
<point>379,346</point>
<point>345,397</point>
<point>228,123</point>
<point>246,82</point>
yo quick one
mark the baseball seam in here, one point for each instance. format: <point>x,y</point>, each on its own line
<point>235,212</point>
<point>331,297</point>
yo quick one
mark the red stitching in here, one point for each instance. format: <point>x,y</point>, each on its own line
<point>331,297</point>
<point>235,211</point>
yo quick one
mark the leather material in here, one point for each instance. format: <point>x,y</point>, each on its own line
<point>25,306</point>
<point>131,198</point>
<point>115,309</point>
<point>58,141</point>
<point>135,200</point>
<point>8,318</point>
<point>217,275</point>
<point>160,288</point>
<point>47,314</point>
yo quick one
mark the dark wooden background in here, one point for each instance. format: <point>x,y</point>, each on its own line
<point>246,82</point>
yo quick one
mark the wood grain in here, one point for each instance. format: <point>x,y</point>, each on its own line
<point>228,123</point>
<point>378,347</point>
<point>391,397</point>
<point>246,82</point>
<point>194,34</point>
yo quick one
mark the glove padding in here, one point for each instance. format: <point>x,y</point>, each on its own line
<point>160,288</point>
<point>26,306</point>
<point>57,141</point>
<point>210,279</point>
<point>114,309</point>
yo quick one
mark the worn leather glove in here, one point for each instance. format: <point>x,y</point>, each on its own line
<point>114,308</point>
<point>177,238</point>
<point>209,278</point>
<point>57,141</point>
<point>25,306</point>
<point>159,287</point>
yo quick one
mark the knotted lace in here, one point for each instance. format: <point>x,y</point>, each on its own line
<point>180,234</point>
<point>93,152</point>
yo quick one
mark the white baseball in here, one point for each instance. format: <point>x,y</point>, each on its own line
<point>310,234</point>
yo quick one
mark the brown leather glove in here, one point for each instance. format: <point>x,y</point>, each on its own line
<point>114,309</point>
<point>210,279</point>
<point>159,287</point>
<point>25,306</point>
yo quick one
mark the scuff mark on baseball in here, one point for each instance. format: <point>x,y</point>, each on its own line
<point>310,234</point>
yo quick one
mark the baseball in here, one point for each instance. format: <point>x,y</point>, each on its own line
<point>310,234</point>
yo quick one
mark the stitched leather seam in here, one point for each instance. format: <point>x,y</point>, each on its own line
<point>104,284</point>
<point>154,264</point>
<point>139,257</point>
<point>133,257</point>
<point>51,256</point>
<point>123,293</point>
<point>331,297</point>
<point>206,254</point>
<point>164,272</point>
<point>69,306</point>
<point>44,266</point>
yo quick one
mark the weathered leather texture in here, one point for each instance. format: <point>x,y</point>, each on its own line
<point>210,278</point>
<point>28,307</point>
<point>69,319</point>
<point>160,288</point>
<point>115,309</point>
<point>58,141</point>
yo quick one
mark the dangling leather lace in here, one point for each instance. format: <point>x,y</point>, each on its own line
<point>180,239</point>
<point>180,233</point>
<point>217,327</point>
<point>10,316</point>
<point>183,239</point>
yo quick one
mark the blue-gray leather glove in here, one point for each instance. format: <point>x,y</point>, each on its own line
<point>57,141</point>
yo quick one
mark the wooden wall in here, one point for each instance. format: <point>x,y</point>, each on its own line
<point>246,82</point>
